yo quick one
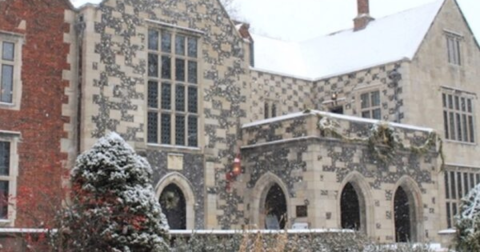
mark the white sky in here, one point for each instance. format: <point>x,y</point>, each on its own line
<point>303,19</point>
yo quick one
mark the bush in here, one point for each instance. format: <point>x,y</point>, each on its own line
<point>468,222</point>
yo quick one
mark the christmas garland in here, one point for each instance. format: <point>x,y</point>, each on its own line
<point>382,142</point>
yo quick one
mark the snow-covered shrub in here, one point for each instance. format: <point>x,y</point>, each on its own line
<point>468,222</point>
<point>113,204</point>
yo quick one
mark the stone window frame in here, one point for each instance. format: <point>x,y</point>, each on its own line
<point>18,40</point>
<point>458,182</point>
<point>13,138</point>
<point>174,32</point>
<point>458,112</point>
<point>270,108</point>
<point>454,48</point>
<point>416,213</point>
<point>364,193</point>
<point>369,108</point>
<point>186,187</point>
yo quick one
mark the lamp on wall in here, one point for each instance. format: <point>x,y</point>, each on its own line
<point>334,97</point>
<point>236,170</point>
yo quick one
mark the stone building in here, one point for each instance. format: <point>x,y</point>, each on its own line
<point>244,131</point>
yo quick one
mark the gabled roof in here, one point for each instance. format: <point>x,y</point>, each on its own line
<point>385,40</point>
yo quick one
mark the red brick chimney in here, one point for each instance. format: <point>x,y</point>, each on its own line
<point>363,17</point>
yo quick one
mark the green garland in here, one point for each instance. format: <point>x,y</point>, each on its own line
<point>383,143</point>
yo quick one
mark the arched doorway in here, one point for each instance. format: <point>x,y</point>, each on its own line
<point>350,208</point>
<point>275,208</point>
<point>173,205</point>
<point>402,208</point>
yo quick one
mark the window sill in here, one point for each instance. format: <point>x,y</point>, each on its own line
<point>173,147</point>
<point>459,142</point>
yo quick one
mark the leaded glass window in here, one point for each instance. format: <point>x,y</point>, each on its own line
<point>370,105</point>
<point>172,64</point>
<point>4,178</point>
<point>7,64</point>
<point>458,117</point>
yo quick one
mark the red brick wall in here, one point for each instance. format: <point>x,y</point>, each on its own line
<point>40,121</point>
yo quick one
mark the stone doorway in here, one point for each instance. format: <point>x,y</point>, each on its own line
<point>275,208</point>
<point>173,205</point>
<point>403,216</point>
<point>350,208</point>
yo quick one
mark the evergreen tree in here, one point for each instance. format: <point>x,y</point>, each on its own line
<point>468,222</point>
<point>113,204</point>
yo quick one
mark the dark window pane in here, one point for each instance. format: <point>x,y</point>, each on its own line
<point>444,99</point>
<point>471,129</point>
<point>453,186</point>
<point>4,158</point>
<point>375,98</point>
<point>266,110</point>
<point>152,94</point>
<point>445,122</point>
<point>457,43</point>
<point>459,128</point>
<point>6,86</point>
<point>450,101</point>
<point>192,131</point>
<point>153,40</point>
<point>180,45</point>
<point>166,96</point>
<point>466,186</point>
<point>449,49</point>
<point>452,125</point>
<point>459,185</point>
<point>166,126</point>
<point>469,105</point>
<point>166,67</point>
<point>179,130</point>
<point>447,188</point>
<point>152,125</point>
<point>192,47</point>
<point>463,105</point>
<point>449,216</point>
<point>8,51</point>
<point>366,114</point>
<point>365,100</point>
<point>477,177</point>
<point>192,71</point>
<point>152,65</point>
<point>180,98</point>
<point>180,69</point>
<point>4,199</point>
<point>465,127</point>
<point>274,110</point>
<point>166,42</point>
<point>457,103</point>
<point>376,114</point>
<point>192,100</point>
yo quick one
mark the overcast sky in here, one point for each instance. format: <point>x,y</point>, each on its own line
<point>303,19</point>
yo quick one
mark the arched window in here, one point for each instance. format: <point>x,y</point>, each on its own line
<point>402,213</point>
<point>350,208</point>
<point>173,205</point>
<point>275,208</point>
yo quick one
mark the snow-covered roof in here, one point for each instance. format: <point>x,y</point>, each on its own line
<point>384,40</point>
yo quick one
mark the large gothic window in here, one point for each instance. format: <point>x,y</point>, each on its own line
<point>275,208</point>
<point>350,208</point>
<point>173,205</point>
<point>402,213</point>
<point>172,88</point>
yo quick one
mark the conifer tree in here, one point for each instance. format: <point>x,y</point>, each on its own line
<point>113,205</point>
<point>468,222</point>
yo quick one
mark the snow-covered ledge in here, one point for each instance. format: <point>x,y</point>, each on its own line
<point>314,124</point>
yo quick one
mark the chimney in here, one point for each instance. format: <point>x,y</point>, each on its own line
<point>363,18</point>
